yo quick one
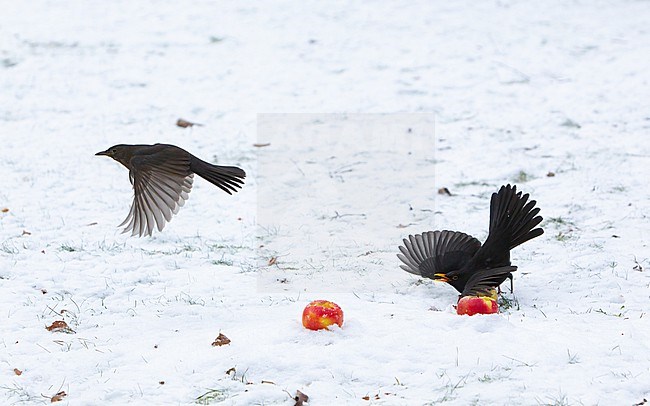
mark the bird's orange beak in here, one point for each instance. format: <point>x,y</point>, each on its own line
<point>494,295</point>
<point>440,277</point>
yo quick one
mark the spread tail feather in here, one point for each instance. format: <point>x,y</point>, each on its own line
<point>227,178</point>
<point>513,218</point>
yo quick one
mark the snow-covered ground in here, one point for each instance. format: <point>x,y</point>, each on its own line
<point>396,100</point>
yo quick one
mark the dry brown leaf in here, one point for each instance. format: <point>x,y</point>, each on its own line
<point>184,123</point>
<point>366,397</point>
<point>18,371</point>
<point>300,398</point>
<point>220,340</point>
<point>60,326</point>
<point>261,144</point>
<point>58,397</point>
<point>25,232</point>
<point>5,209</point>
<point>444,191</point>
<point>550,174</point>
<point>273,261</point>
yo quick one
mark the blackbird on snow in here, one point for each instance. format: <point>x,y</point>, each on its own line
<point>460,260</point>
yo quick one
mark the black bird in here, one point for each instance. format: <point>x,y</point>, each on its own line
<point>460,260</point>
<point>162,176</point>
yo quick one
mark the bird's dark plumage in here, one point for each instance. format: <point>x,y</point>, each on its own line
<point>460,259</point>
<point>162,176</point>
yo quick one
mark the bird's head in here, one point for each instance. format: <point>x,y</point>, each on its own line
<point>456,279</point>
<point>121,153</point>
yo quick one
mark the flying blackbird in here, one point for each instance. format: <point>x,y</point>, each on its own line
<point>162,177</point>
<point>460,260</point>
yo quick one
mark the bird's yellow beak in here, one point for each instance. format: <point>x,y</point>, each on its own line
<point>440,277</point>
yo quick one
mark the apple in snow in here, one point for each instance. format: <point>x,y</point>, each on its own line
<point>472,305</point>
<point>321,314</point>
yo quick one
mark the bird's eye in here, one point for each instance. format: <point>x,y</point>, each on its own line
<point>454,278</point>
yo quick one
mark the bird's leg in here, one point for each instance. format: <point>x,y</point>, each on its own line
<point>512,288</point>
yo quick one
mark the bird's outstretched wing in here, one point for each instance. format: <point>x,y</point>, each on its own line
<point>435,252</point>
<point>482,282</point>
<point>161,183</point>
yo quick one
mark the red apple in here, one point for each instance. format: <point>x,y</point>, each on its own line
<point>472,305</point>
<point>320,314</point>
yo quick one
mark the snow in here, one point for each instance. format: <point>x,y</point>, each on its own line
<point>369,109</point>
